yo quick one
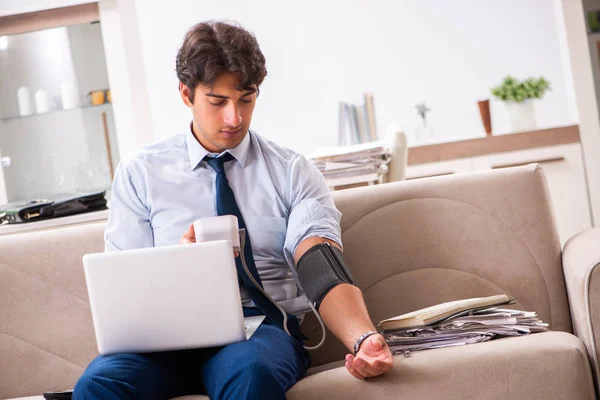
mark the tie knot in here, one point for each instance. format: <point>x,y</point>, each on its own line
<point>217,162</point>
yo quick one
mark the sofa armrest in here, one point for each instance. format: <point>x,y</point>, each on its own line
<point>581,257</point>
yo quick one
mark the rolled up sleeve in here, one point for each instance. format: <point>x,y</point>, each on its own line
<point>128,225</point>
<point>313,212</point>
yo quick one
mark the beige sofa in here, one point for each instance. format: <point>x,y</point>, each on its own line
<point>409,245</point>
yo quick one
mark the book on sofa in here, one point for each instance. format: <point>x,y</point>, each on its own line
<point>458,323</point>
<point>439,312</point>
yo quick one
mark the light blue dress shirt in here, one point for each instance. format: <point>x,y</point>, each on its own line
<point>283,198</point>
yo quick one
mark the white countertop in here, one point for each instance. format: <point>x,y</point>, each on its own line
<point>78,219</point>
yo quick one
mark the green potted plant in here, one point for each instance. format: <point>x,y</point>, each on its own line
<point>518,97</point>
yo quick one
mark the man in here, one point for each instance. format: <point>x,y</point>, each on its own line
<point>220,167</point>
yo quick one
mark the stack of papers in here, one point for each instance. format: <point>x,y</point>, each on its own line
<point>477,325</point>
<point>439,312</point>
<point>352,161</point>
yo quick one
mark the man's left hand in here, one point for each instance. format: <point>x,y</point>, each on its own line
<point>373,358</point>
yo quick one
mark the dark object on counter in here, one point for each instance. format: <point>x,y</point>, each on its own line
<point>66,395</point>
<point>486,118</point>
<point>37,210</point>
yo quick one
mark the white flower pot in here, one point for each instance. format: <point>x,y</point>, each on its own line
<point>520,116</point>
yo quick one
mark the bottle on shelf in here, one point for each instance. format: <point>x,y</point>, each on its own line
<point>42,101</point>
<point>396,142</point>
<point>24,101</point>
<point>69,95</point>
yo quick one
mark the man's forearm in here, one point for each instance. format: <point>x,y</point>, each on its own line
<point>343,309</point>
<point>344,312</point>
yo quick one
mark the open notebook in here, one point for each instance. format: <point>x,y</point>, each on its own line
<point>440,312</point>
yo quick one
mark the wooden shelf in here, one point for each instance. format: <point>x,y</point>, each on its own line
<point>493,144</point>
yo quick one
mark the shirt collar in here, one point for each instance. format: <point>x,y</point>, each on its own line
<point>197,152</point>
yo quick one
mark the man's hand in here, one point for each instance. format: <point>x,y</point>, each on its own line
<point>374,358</point>
<point>190,237</point>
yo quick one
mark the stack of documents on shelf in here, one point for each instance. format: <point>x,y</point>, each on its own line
<point>352,161</point>
<point>458,323</point>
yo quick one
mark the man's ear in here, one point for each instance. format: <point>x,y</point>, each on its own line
<point>185,93</point>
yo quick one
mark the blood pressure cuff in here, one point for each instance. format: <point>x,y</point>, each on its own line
<point>321,269</point>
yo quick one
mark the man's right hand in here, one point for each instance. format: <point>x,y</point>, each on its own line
<point>189,236</point>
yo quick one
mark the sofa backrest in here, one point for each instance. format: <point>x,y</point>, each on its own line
<point>46,332</point>
<point>409,245</point>
<point>417,243</point>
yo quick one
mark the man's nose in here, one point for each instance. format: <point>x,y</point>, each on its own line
<point>232,115</point>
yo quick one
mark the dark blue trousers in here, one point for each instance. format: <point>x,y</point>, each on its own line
<point>264,367</point>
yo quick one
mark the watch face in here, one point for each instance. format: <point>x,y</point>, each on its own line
<point>362,339</point>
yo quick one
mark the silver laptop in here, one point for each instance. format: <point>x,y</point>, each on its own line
<point>166,298</point>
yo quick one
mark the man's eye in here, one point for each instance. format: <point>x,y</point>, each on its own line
<point>220,103</point>
<point>246,101</point>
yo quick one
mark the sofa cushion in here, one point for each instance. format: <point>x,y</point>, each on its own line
<point>552,365</point>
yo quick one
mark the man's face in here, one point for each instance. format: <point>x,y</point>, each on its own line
<point>221,113</point>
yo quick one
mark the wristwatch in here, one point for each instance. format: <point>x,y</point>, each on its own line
<point>361,339</point>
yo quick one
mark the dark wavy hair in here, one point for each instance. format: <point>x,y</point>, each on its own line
<point>213,48</point>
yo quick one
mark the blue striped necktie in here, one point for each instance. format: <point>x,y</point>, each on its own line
<point>226,205</point>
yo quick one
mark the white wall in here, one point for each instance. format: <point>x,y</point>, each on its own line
<point>447,53</point>
<point>10,7</point>
<point>594,5</point>
<point>584,78</point>
<point>126,74</point>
